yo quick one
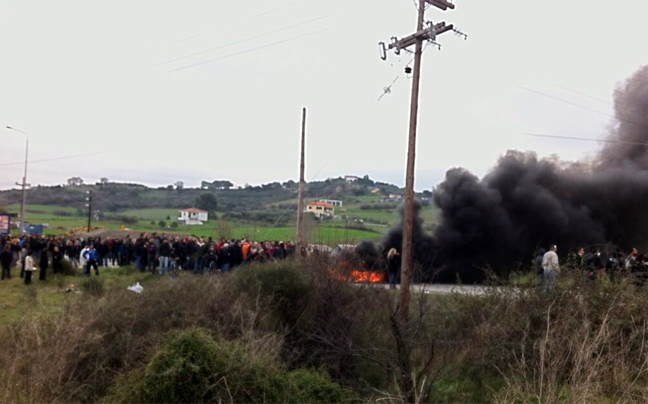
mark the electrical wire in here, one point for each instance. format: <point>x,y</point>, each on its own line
<point>250,50</point>
<point>387,90</point>
<point>53,159</point>
<point>231,25</point>
<point>580,106</point>
<point>243,40</point>
<point>584,139</point>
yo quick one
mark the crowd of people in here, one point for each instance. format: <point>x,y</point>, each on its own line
<point>594,262</point>
<point>157,253</point>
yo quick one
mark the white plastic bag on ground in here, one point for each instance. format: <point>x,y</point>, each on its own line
<point>137,288</point>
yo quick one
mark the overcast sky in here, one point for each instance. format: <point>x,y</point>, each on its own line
<point>192,90</point>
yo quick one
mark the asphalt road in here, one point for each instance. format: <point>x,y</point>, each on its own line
<point>474,290</point>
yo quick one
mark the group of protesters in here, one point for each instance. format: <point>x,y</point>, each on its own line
<point>592,263</point>
<point>157,253</point>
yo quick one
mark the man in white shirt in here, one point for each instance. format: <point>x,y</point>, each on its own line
<point>551,267</point>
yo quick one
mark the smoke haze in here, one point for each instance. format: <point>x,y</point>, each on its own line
<point>526,202</point>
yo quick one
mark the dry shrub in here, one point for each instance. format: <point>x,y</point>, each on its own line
<point>73,357</point>
<point>581,343</point>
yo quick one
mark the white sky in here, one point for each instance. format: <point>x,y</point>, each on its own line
<point>81,77</point>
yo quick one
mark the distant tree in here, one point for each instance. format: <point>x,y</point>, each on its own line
<point>174,225</point>
<point>168,217</point>
<point>75,181</point>
<point>179,184</point>
<point>169,187</point>
<point>272,185</point>
<point>366,181</point>
<point>103,181</point>
<point>162,223</point>
<point>216,185</point>
<point>207,201</point>
<point>290,184</point>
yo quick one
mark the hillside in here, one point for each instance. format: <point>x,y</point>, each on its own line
<point>266,211</point>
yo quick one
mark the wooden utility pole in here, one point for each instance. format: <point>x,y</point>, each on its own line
<point>428,34</point>
<point>302,184</point>
<point>89,205</point>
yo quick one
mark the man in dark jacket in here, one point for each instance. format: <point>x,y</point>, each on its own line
<point>165,252</point>
<point>6,258</point>
<point>151,255</point>
<point>592,263</point>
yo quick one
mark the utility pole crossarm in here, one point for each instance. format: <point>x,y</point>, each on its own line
<point>422,35</point>
<point>442,4</point>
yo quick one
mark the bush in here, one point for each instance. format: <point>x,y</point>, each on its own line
<point>162,223</point>
<point>174,225</point>
<point>283,287</point>
<point>93,286</point>
<point>197,369</point>
<point>67,268</point>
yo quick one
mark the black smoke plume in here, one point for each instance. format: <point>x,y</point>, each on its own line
<point>526,202</point>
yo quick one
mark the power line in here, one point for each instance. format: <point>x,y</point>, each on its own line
<point>242,40</point>
<point>580,106</point>
<point>231,25</point>
<point>584,139</point>
<point>53,159</point>
<point>576,91</point>
<point>249,50</point>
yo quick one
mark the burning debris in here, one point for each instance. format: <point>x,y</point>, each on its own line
<point>525,202</point>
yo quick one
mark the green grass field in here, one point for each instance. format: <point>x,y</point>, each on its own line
<point>326,233</point>
<point>49,296</point>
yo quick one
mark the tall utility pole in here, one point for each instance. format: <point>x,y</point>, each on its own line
<point>24,182</point>
<point>422,34</point>
<point>302,185</point>
<point>89,205</point>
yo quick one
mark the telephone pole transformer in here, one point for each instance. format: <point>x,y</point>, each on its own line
<point>422,34</point>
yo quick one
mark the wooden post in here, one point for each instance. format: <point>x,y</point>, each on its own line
<point>302,184</point>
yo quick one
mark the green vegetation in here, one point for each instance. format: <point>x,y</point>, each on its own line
<point>267,211</point>
<point>294,332</point>
<point>48,297</point>
<point>199,369</point>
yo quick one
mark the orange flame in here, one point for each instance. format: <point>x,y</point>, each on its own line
<point>365,276</point>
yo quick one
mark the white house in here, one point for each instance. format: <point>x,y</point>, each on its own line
<point>336,203</point>
<point>321,209</point>
<point>193,216</point>
<point>350,178</point>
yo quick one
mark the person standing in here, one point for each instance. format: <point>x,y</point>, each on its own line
<point>91,255</point>
<point>551,266</point>
<point>29,266</point>
<point>43,265</point>
<point>57,258</point>
<point>393,266</point>
<point>6,258</point>
<point>151,256</point>
<point>225,258</point>
<point>165,251</point>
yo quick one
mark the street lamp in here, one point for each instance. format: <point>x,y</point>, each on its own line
<point>24,181</point>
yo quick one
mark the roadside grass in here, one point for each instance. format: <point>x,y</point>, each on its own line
<point>43,298</point>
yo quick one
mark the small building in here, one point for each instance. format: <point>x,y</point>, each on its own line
<point>336,203</point>
<point>321,209</point>
<point>350,178</point>
<point>193,216</point>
